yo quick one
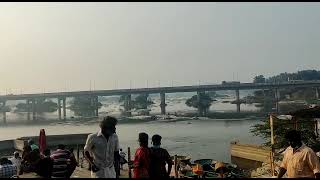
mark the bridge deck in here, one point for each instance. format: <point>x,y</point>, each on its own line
<point>242,86</point>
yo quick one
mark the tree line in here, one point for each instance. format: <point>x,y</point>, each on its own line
<point>304,75</point>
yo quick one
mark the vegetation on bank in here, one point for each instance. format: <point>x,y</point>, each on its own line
<point>300,97</point>
<point>41,106</point>
<point>84,106</point>
<point>265,99</point>
<point>304,75</point>
<point>140,103</point>
<point>203,103</point>
<point>306,126</point>
<point>4,108</point>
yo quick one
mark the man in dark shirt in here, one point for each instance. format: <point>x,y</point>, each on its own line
<point>64,163</point>
<point>159,158</point>
<point>30,159</point>
<point>45,165</point>
<point>7,169</point>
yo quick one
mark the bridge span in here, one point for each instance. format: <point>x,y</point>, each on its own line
<point>61,96</point>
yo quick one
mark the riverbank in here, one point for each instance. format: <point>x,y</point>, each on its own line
<point>80,172</point>
<point>198,138</point>
<point>141,119</point>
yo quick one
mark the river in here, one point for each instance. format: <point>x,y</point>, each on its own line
<point>208,138</point>
<point>198,138</point>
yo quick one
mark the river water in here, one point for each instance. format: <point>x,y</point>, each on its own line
<point>205,138</point>
<point>198,138</point>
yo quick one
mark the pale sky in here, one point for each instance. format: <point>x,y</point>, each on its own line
<point>63,46</point>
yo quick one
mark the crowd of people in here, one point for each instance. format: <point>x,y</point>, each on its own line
<point>105,158</point>
<point>59,163</point>
<point>299,160</point>
<point>102,153</point>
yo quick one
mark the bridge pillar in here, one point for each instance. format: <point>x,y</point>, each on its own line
<point>33,109</point>
<point>28,109</point>
<point>238,100</point>
<point>200,109</point>
<point>59,108</point>
<point>163,103</point>
<point>95,105</point>
<point>64,108</point>
<point>127,105</point>
<point>317,93</point>
<point>146,99</point>
<point>4,112</point>
<point>277,98</point>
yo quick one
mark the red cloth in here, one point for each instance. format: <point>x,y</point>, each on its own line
<point>42,141</point>
<point>141,163</point>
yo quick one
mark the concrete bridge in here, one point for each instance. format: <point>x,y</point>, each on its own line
<point>61,96</point>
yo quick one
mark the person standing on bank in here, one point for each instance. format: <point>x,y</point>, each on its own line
<point>141,162</point>
<point>104,147</point>
<point>159,158</point>
<point>299,161</point>
<point>122,159</point>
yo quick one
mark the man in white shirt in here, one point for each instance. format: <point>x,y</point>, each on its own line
<point>122,158</point>
<point>16,160</point>
<point>104,147</point>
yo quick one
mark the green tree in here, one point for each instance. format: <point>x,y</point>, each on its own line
<point>300,75</point>
<point>4,108</point>
<point>306,126</point>
<point>259,79</point>
<point>142,101</point>
<point>84,106</point>
<point>42,105</point>
<point>204,103</point>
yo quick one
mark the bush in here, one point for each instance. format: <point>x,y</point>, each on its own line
<point>306,126</point>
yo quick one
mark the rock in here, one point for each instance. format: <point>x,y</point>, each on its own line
<point>265,170</point>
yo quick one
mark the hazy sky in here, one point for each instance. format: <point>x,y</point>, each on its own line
<point>62,46</point>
